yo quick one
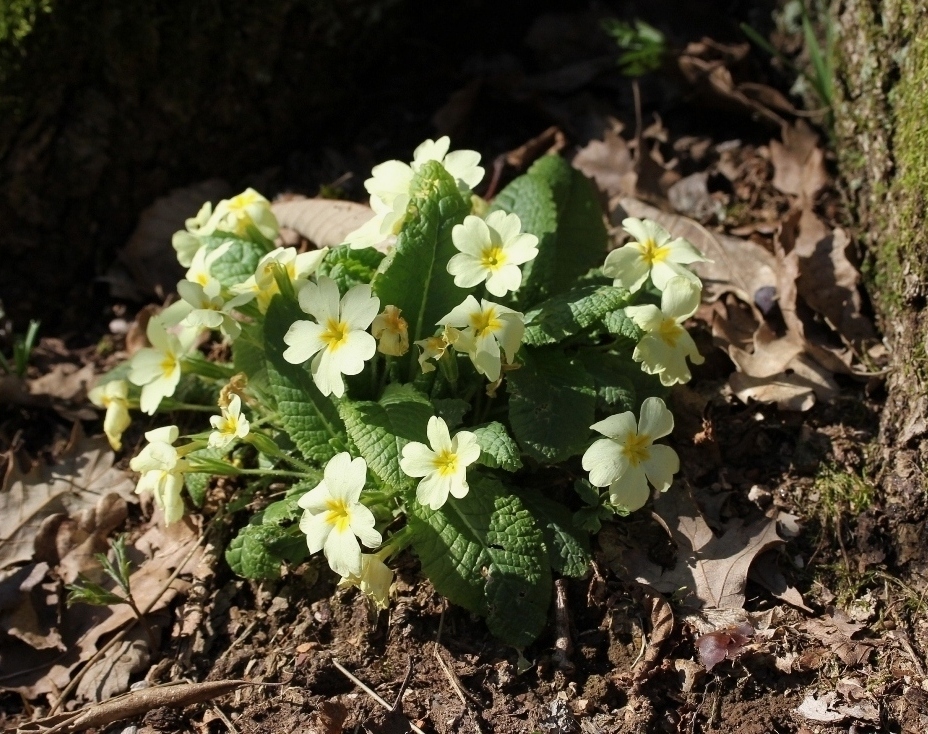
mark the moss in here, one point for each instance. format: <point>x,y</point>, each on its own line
<point>17,19</point>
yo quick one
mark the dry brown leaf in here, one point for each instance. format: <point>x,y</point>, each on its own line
<point>64,381</point>
<point>835,631</point>
<point>798,162</point>
<point>738,266</point>
<point>27,608</point>
<point>609,163</point>
<point>690,197</point>
<point>713,569</point>
<point>156,554</point>
<point>109,675</point>
<point>727,643</point>
<point>324,222</point>
<point>83,475</point>
<point>764,571</point>
<point>148,255</point>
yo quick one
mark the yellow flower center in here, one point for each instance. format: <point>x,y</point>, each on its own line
<point>229,425</point>
<point>202,278</point>
<point>242,200</point>
<point>446,463</point>
<point>635,448</point>
<point>669,331</point>
<point>338,515</point>
<point>652,253</point>
<point>493,257</point>
<point>168,365</point>
<point>485,322</point>
<point>335,334</point>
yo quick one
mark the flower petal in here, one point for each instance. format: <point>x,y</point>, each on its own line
<point>661,466</point>
<point>417,460</point>
<point>433,490</point>
<point>359,307</point>
<point>605,462</point>
<point>617,426</point>
<point>680,298</point>
<point>343,552</point>
<point>655,421</point>
<point>631,491</point>
<point>627,267</point>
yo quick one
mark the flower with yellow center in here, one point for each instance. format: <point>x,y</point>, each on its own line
<point>186,242</point>
<point>443,464</point>
<point>205,308</point>
<point>337,341</point>
<point>390,183</point>
<point>665,346</point>
<point>391,332</point>
<point>627,459</point>
<point>228,426</point>
<point>113,396</point>
<point>263,285</point>
<point>434,347</point>
<point>653,253</point>
<point>238,214</point>
<point>375,578</point>
<point>200,268</point>
<point>157,369</point>
<point>162,470</point>
<point>491,250</point>
<point>486,328</point>
<point>334,518</point>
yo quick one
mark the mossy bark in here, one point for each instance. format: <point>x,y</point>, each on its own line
<point>882,133</point>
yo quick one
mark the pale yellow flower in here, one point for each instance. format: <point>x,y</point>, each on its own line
<point>443,464</point>
<point>391,332</point>
<point>652,253</point>
<point>229,426</point>
<point>113,396</point>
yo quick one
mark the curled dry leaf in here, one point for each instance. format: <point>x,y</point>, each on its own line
<point>728,643</point>
<point>324,222</point>
<point>798,162</point>
<point>83,475</point>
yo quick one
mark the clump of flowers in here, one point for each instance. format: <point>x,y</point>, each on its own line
<point>435,383</point>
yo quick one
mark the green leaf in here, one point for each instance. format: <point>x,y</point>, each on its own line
<point>349,267</point>
<point>485,553</point>
<point>552,405</point>
<point>414,277</point>
<point>568,545</point>
<point>451,410</point>
<point>618,323</point>
<point>249,553</point>
<point>310,418</point>
<point>615,378</point>
<point>198,482</point>
<point>248,357</point>
<point>240,261</point>
<point>498,450</point>
<point>569,313</point>
<point>288,509</point>
<point>381,430</point>
<point>532,200</point>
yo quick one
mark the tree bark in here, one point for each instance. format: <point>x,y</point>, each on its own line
<point>882,135</point>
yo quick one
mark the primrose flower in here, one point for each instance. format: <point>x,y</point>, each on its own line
<point>113,396</point>
<point>384,226</point>
<point>652,253</point>
<point>263,285</point>
<point>666,344</point>
<point>443,464</point>
<point>434,347</point>
<point>201,265</point>
<point>627,459</point>
<point>185,242</point>
<point>391,332</point>
<point>334,518</point>
<point>491,251</point>
<point>374,581</point>
<point>157,369</point>
<point>486,328</point>
<point>203,307</point>
<point>236,215</point>
<point>162,472</point>
<point>338,341</point>
<point>228,426</point>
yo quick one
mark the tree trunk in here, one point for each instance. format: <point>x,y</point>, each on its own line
<point>882,133</point>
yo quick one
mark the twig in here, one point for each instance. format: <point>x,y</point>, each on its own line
<point>399,693</point>
<point>238,640</point>
<point>452,678</point>
<point>563,647</point>
<point>225,720</point>
<point>125,630</point>
<point>370,692</point>
<point>644,642</point>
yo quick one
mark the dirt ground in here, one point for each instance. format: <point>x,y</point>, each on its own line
<point>819,558</point>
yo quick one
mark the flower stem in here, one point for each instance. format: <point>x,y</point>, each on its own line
<point>272,473</point>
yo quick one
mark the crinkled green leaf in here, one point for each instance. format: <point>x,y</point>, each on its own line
<point>552,405</point>
<point>618,323</point>
<point>310,419</point>
<point>451,410</point>
<point>498,450</point>
<point>568,545</point>
<point>532,200</point>
<point>249,553</point>
<point>248,357</point>
<point>569,313</point>
<point>486,553</point>
<point>380,430</point>
<point>198,482</point>
<point>615,378</point>
<point>348,267</point>
<point>288,509</point>
<point>414,276</point>
<point>239,263</point>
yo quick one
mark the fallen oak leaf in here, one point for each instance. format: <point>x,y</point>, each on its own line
<point>136,703</point>
<point>324,222</point>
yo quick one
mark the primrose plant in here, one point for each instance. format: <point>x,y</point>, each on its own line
<point>477,381</point>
